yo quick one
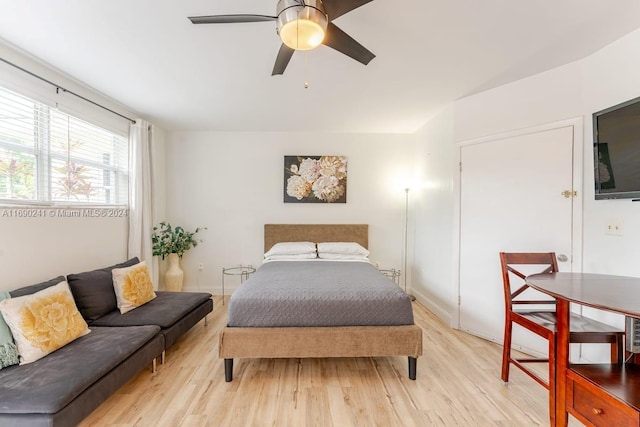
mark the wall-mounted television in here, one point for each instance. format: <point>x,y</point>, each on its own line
<point>616,146</point>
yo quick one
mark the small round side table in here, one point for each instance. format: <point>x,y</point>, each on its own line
<point>244,271</point>
<point>391,273</point>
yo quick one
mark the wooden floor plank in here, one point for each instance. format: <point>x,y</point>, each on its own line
<point>458,384</point>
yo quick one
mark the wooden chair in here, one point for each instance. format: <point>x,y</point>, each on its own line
<point>542,321</point>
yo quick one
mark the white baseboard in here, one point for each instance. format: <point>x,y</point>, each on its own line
<point>439,311</point>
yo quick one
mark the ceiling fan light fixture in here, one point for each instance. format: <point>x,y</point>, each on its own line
<point>302,34</point>
<point>302,25</point>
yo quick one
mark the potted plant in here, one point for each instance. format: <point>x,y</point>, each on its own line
<point>173,243</point>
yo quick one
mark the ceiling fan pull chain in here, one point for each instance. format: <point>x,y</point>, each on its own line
<point>306,69</point>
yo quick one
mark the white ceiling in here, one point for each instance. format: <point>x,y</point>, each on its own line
<point>148,56</point>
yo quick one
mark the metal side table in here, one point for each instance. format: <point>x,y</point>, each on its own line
<point>244,271</point>
<point>391,273</point>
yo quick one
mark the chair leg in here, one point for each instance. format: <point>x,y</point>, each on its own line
<point>552,379</point>
<point>506,350</point>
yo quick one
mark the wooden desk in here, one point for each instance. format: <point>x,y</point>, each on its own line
<point>602,394</point>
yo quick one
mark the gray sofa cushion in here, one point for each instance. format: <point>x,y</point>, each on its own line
<point>178,329</point>
<point>93,290</point>
<point>32,289</point>
<point>164,310</point>
<point>51,383</point>
<point>73,414</point>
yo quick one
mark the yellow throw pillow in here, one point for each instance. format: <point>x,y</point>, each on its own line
<point>43,322</point>
<point>132,286</point>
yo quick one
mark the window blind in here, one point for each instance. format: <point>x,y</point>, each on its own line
<point>50,157</point>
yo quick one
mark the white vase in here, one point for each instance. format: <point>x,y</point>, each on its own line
<point>174,274</point>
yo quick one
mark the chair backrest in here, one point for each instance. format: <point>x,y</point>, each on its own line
<point>510,262</point>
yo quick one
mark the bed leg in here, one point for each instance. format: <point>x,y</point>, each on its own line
<point>413,364</point>
<point>228,370</point>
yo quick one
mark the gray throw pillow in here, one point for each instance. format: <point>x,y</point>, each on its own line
<point>32,289</point>
<point>93,290</point>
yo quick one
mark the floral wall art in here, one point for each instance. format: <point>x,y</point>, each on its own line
<point>315,179</point>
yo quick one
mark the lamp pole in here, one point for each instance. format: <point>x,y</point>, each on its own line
<point>406,240</point>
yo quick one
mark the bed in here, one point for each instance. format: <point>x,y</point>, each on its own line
<point>393,336</point>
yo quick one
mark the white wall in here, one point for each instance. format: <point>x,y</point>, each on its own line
<point>37,249</point>
<point>578,89</point>
<point>232,183</point>
<point>547,97</point>
<point>434,256</point>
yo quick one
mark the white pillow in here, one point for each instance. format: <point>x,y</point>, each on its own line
<point>132,286</point>
<point>44,321</point>
<point>291,248</point>
<point>354,257</point>
<point>294,257</point>
<point>352,248</point>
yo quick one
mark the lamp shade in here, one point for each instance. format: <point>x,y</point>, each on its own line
<point>301,27</point>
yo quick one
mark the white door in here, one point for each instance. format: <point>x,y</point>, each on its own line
<point>511,201</point>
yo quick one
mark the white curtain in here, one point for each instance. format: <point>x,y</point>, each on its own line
<point>141,200</point>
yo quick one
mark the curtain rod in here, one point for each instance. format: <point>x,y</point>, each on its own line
<point>60,88</point>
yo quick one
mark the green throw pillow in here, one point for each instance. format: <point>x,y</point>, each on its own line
<point>8,349</point>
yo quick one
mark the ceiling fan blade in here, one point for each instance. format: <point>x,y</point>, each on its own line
<point>230,19</point>
<point>342,42</point>
<point>284,56</point>
<point>337,8</point>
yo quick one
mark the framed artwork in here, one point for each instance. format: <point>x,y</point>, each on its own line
<point>315,179</point>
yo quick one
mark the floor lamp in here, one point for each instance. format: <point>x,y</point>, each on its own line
<point>406,239</point>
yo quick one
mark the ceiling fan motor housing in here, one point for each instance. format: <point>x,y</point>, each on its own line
<point>301,24</point>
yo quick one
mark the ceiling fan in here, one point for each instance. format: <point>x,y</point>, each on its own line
<point>304,25</point>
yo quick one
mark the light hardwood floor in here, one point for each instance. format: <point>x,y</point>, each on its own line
<point>458,384</point>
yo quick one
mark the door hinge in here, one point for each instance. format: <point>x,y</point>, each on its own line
<point>568,193</point>
<point>460,166</point>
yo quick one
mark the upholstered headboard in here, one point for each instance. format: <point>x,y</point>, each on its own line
<point>275,233</point>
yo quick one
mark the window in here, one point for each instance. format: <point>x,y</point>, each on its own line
<point>49,157</point>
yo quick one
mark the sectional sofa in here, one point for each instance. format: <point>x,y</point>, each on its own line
<point>65,386</point>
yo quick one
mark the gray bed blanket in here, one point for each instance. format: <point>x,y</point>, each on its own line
<point>319,293</point>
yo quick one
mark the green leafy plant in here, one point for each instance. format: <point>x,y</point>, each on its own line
<point>168,240</point>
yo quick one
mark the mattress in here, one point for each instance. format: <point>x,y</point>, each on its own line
<point>312,293</point>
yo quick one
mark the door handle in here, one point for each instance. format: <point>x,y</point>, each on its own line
<point>563,258</point>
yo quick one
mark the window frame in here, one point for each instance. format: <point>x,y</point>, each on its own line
<point>44,158</point>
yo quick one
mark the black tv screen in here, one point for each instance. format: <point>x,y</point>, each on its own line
<point>616,145</point>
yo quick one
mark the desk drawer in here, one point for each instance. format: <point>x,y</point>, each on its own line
<point>593,406</point>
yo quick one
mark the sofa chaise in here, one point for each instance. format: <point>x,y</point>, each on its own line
<point>62,388</point>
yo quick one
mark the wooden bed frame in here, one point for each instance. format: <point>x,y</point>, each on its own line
<point>318,342</point>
